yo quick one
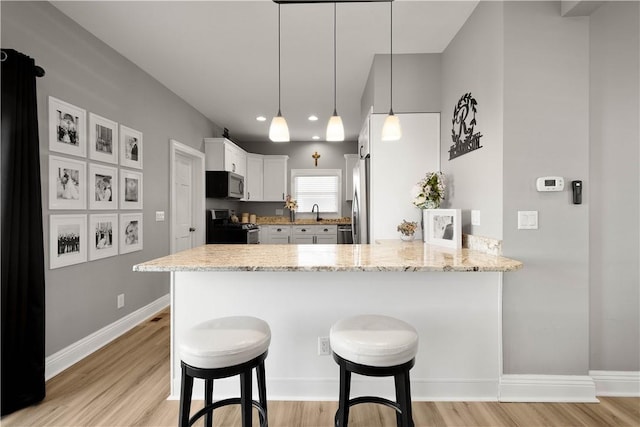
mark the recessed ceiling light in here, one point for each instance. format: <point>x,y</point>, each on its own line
<point>315,137</point>
<point>313,118</point>
<point>261,118</point>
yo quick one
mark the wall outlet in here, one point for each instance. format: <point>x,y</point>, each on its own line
<point>279,212</point>
<point>159,215</point>
<point>120,300</point>
<point>475,217</point>
<point>324,349</point>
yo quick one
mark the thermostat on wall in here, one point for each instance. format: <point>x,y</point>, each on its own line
<point>550,183</point>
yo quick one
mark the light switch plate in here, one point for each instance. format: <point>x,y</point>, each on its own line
<point>527,220</point>
<point>159,215</point>
<point>475,217</point>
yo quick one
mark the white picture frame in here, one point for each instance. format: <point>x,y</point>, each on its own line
<point>131,187</point>
<point>103,187</point>
<point>67,240</point>
<point>131,235</point>
<point>103,235</point>
<point>67,133</point>
<point>67,183</point>
<point>442,227</point>
<point>103,139</point>
<point>130,147</point>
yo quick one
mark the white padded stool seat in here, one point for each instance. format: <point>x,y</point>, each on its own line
<point>225,342</point>
<point>374,340</point>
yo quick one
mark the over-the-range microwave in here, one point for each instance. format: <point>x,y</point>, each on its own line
<point>224,185</point>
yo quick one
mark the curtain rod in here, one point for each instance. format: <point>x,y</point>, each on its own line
<point>37,70</point>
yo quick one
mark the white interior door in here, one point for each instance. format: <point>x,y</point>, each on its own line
<point>187,197</point>
<point>184,207</point>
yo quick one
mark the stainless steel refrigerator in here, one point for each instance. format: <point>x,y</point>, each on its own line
<point>360,204</point>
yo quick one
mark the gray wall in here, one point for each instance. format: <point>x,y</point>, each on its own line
<point>546,132</point>
<point>83,71</point>
<point>416,84</point>
<point>613,187</point>
<point>473,62</point>
<point>556,96</point>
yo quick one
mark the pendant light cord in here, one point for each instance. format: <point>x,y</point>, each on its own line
<point>335,80</point>
<point>279,80</point>
<point>391,60</point>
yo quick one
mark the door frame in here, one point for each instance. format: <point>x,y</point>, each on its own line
<point>197,185</point>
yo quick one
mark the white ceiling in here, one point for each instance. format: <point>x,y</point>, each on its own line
<point>221,56</point>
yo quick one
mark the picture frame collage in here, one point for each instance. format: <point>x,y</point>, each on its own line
<point>111,182</point>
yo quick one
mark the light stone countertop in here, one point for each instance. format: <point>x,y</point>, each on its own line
<point>388,255</point>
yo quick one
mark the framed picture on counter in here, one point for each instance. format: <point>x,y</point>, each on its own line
<point>442,227</point>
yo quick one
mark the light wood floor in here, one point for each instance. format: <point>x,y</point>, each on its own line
<point>127,382</point>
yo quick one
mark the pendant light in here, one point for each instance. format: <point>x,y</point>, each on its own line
<point>391,130</point>
<point>335,129</point>
<point>279,131</point>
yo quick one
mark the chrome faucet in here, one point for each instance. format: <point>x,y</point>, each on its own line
<point>317,211</point>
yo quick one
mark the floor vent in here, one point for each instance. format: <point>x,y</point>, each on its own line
<point>155,319</point>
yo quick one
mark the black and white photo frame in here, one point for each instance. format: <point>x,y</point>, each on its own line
<point>130,232</point>
<point>130,189</point>
<point>103,235</point>
<point>130,147</point>
<point>67,240</point>
<point>67,133</point>
<point>442,227</point>
<point>103,187</point>
<point>103,139</point>
<point>67,183</point>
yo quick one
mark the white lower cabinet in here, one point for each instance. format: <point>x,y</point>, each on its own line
<point>315,234</point>
<point>277,234</point>
<point>299,234</point>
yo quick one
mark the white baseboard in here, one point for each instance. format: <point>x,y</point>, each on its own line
<point>77,351</point>
<point>617,383</point>
<point>547,388</point>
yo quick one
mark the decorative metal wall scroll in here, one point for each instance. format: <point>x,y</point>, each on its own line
<point>464,140</point>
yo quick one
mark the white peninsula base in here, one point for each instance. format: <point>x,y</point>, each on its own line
<point>457,315</point>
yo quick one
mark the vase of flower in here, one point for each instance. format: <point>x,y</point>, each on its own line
<point>407,230</point>
<point>291,204</point>
<point>428,193</point>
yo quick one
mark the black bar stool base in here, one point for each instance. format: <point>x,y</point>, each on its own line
<point>244,370</point>
<point>402,406</point>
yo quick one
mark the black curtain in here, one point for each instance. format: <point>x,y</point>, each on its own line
<point>23,312</point>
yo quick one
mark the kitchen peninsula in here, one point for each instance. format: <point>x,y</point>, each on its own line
<point>452,297</point>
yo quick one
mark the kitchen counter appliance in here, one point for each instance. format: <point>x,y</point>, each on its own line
<point>220,229</point>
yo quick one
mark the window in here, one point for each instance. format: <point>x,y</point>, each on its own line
<point>321,186</point>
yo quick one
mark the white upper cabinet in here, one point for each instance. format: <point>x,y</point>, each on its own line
<point>223,155</point>
<point>350,161</point>
<point>255,178</point>
<point>275,178</point>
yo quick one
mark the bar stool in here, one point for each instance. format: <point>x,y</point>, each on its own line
<point>378,346</point>
<point>221,348</point>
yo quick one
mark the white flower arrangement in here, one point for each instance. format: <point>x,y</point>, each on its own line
<point>290,203</point>
<point>428,193</point>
